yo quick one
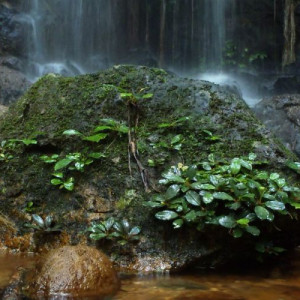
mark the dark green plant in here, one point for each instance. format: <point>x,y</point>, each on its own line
<point>235,195</point>
<point>176,123</point>
<point>172,143</point>
<point>118,231</point>
<point>9,147</point>
<point>72,161</point>
<point>46,224</point>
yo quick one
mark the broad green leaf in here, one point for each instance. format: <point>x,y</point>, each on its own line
<point>243,221</point>
<point>69,184</point>
<point>29,142</point>
<point>274,176</point>
<point>191,216</point>
<point>275,205</point>
<point>222,196</point>
<point>96,155</point>
<point>246,164</point>
<point>211,158</point>
<point>135,230</point>
<point>237,233</point>
<point>56,181</point>
<point>262,175</point>
<point>166,215</point>
<point>147,96</point>
<point>253,230</point>
<point>263,214</point>
<point>235,166</point>
<point>176,139</point>
<point>191,172</point>
<point>294,166</point>
<point>207,198</point>
<point>172,191</point>
<point>62,163</point>
<point>281,182</point>
<point>173,178</point>
<point>101,128</point>
<point>58,174</point>
<point>206,166</point>
<point>97,236</point>
<point>252,156</point>
<point>153,204</point>
<point>234,206</point>
<point>96,138</point>
<point>227,221</point>
<point>177,223</point>
<point>72,132</point>
<point>269,197</point>
<point>282,196</point>
<point>201,186</point>
<point>193,198</point>
<point>126,95</point>
<point>214,179</point>
<point>296,205</point>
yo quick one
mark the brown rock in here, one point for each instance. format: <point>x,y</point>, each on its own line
<point>73,270</point>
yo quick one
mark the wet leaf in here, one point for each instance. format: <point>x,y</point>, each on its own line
<point>263,214</point>
<point>172,191</point>
<point>62,163</point>
<point>193,198</point>
<point>135,230</point>
<point>227,221</point>
<point>72,132</point>
<point>166,215</point>
<point>275,205</point>
<point>222,196</point>
<point>38,220</point>
<point>96,138</point>
<point>253,230</point>
<point>177,223</point>
<point>235,166</point>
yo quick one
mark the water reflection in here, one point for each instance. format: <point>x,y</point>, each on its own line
<point>281,282</point>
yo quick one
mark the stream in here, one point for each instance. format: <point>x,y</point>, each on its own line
<point>280,282</point>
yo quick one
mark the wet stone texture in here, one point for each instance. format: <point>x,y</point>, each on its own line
<point>73,270</point>
<point>107,188</point>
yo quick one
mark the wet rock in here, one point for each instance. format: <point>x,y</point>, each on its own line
<point>75,271</point>
<point>286,85</point>
<point>106,187</point>
<point>281,114</point>
<point>11,31</point>
<point>12,85</point>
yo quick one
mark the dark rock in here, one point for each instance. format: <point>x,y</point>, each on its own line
<point>281,114</point>
<point>287,85</point>
<point>11,31</point>
<point>12,85</point>
<point>76,271</point>
<point>55,104</point>
<point>12,62</point>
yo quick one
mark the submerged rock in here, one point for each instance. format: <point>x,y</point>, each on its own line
<point>77,271</point>
<point>176,120</point>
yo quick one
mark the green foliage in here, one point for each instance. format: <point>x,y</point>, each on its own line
<point>43,224</point>
<point>232,194</point>
<point>134,98</point>
<point>70,162</point>
<point>241,58</point>
<point>118,231</point>
<point>8,148</point>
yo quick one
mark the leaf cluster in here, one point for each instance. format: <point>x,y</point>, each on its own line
<point>234,194</point>
<point>43,224</point>
<point>111,229</point>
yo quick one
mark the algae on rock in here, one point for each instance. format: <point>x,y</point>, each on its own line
<point>55,104</point>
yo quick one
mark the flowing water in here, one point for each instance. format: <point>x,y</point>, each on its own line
<point>280,282</point>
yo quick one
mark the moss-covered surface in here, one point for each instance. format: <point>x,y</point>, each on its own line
<point>106,187</point>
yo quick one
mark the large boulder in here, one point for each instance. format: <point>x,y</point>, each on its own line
<point>119,184</point>
<point>77,271</point>
<point>281,114</point>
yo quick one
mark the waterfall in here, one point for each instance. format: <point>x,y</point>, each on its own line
<point>214,33</point>
<point>69,36</point>
<point>77,36</point>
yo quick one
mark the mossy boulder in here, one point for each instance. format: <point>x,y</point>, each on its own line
<point>154,104</point>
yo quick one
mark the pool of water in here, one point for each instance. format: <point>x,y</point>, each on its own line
<point>280,282</point>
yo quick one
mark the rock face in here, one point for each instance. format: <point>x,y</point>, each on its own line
<point>13,84</point>
<point>281,114</point>
<point>107,187</point>
<point>3,109</point>
<point>11,30</point>
<point>76,271</point>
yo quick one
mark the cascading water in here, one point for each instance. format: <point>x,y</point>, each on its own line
<point>68,37</point>
<point>214,33</point>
